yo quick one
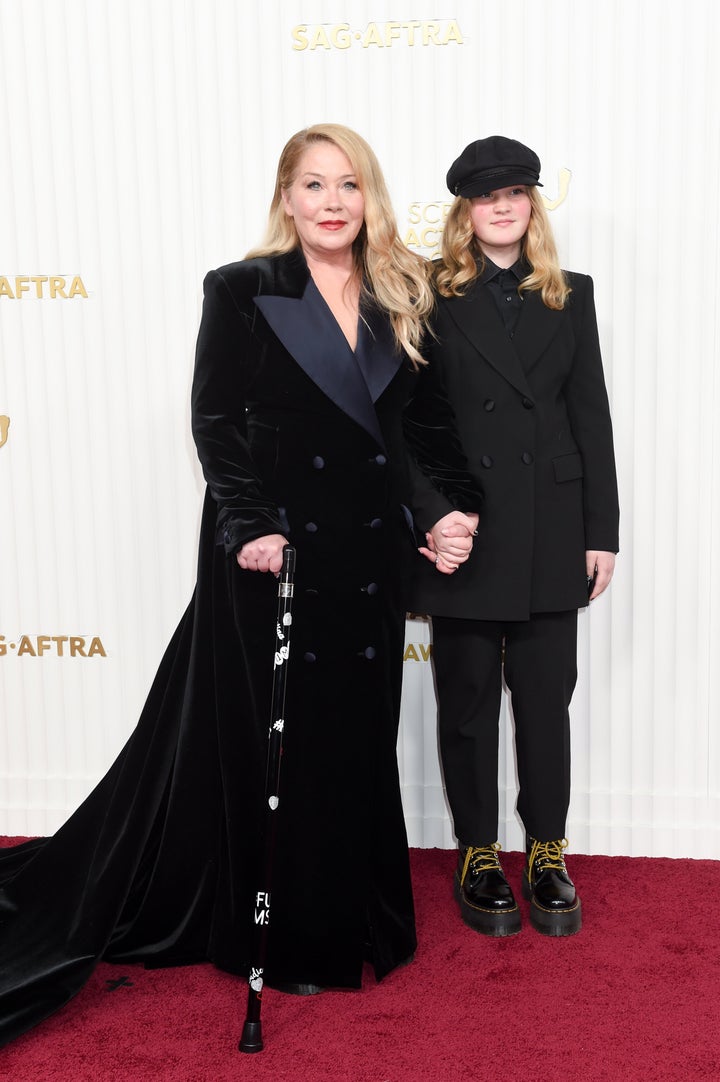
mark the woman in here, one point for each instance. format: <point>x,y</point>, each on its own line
<point>515,366</point>
<point>305,360</point>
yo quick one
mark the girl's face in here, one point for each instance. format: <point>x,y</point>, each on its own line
<point>500,220</point>
<point>325,202</point>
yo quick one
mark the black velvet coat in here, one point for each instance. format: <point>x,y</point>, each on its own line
<point>296,435</point>
<point>533,422</point>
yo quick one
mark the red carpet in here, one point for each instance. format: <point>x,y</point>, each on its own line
<point>634,997</point>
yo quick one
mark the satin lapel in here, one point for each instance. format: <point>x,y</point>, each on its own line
<point>309,332</point>
<point>476,315</point>
<point>535,329</point>
<point>376,354</point>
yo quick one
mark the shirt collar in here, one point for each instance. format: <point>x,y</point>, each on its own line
<point>519,269</point>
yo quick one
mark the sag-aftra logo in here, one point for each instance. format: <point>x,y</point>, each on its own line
<point>54,645</point>
<point>42,286</point>
<point>414,32</point>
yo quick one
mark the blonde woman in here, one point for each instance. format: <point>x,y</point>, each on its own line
<point>306,356</point>
<point>515,369</point>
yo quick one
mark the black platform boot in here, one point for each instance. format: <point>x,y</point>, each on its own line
<point>554,904</point>
<point>486,900</point>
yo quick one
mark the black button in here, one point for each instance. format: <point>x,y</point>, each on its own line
<point>528,405</point>
<point>372,588</point>
<point>527,458</point>
<point>489,404</point>
<point>369,653</point>
<point>376,524</point>
<point>486,461</point>
<point>380,460</point>
<point>319,462</point>
<point>309,656</point>
<point>311,527</point>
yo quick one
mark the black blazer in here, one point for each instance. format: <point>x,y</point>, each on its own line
<point>532,417</point>
<point>277,392</point>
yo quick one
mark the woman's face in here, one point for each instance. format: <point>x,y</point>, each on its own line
<point>500,220</point>
<point>325,202</point>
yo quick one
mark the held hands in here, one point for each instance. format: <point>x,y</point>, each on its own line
<point>263,554</point>
<point>599,566</point>
<point>450,540</point>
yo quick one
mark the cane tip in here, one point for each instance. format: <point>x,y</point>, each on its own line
<point>251,1040</point>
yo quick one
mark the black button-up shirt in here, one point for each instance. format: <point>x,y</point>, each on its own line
<point>503,285</point>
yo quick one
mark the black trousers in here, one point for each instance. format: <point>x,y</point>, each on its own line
<point>540,666</point>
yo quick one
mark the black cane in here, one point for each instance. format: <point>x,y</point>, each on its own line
<point>251,1039</point>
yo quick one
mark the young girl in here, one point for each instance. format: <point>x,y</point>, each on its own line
<point>515,367</point>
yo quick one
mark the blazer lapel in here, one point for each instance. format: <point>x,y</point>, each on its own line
<point>535,329</point>
<point>476,315</point>
<point>311,335</point>
<point>376,353</point>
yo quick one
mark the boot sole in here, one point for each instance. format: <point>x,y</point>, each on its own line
<point>486,921</point>
<point>553,922</point>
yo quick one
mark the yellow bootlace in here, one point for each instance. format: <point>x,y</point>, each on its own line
<point>544,855</point>
<point>481,858</point>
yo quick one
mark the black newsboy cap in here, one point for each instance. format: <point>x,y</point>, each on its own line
<point>495,162</point>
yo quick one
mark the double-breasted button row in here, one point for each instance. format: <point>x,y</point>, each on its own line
<point>374,524</point>
<point>489,404</point>
<point>370,588</point>
<point>318,461</point>
<point>369,654</point>
<point>487,463</point>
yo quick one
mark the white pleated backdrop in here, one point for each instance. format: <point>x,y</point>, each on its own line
<point>138,142</point>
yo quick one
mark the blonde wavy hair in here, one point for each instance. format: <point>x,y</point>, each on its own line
<point>462,259</point>
<point>395,278</point>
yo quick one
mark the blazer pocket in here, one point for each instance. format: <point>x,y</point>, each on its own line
<point>568,467</point>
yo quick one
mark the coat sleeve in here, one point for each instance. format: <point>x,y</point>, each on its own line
<point>589,412</point>
<point>439,475</point>
<point>226,351</point>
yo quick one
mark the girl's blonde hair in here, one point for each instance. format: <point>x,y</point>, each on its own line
<point>462,259</point>
<point>393,276</point>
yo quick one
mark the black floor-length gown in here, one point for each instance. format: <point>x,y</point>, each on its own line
<point>296,434</point>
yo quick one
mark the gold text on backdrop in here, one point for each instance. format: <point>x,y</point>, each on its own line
<point>426,222</point>
<point>418,651</point>
<point>55,645</point>
<point>382,35</point>
<point>57,287</point>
